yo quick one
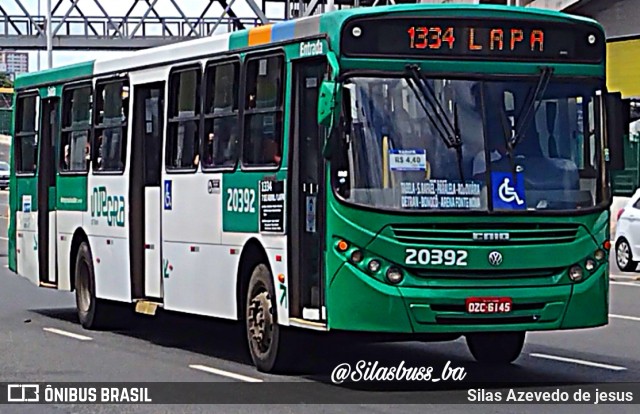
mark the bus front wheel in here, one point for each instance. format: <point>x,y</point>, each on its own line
<point>90,311</point>
<point>496,347</point>
<point>263,331</point>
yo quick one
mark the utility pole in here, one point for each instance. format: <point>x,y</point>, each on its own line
<point>38,51</point>
<point>49,36</point>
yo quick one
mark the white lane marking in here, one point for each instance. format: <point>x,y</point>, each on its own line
<point>224,373</point>
<point>625,284</point>
<point>69,334</point>
<point>4,238</point>
<point>579,361</point>
<point>630,318</point>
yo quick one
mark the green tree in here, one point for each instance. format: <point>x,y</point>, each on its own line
<point>5,81</point>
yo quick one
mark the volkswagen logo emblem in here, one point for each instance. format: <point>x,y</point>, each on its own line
<point>495,258</point>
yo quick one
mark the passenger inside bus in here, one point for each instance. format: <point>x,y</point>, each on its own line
<point>271,151</point>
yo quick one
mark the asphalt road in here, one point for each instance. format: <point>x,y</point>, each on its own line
<point>40,340</point>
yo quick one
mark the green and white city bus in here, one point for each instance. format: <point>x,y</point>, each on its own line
<point>428,170</point>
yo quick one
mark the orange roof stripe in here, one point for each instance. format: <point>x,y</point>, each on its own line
<point>260,35</point>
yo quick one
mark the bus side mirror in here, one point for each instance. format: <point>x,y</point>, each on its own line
<point>617,115</point>
<point>328,99</point>
<point>326,103</point>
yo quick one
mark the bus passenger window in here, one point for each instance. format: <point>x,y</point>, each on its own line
<point>263,112</point>
<point>183,148</point>
<point>76,127</point>
<point>26,150</point>
<point>110,145</point>
<point>221,116</point>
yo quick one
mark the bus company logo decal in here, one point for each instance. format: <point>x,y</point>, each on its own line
<point>495,258</point>
<point>106,205</point>
<point>167,268</point>
<point>70,200</point>
<point>311,48</point>
<point>490,236</point>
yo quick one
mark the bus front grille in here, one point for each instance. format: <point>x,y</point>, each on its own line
<point>498,320</point>
<point>486,274</point>
<point>467,234</point>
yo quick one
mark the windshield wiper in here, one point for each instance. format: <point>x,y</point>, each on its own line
<point>529,107</point>
<point>449,131</point>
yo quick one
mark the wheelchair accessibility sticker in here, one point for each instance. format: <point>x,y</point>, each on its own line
<point>168,202</point>
<point>507,192</point>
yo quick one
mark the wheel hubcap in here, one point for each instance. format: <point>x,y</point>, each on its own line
<point>260,322</point>
<point>84,296</point>
<point>622,254</point>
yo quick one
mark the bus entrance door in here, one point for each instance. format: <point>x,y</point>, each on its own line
<point>145,242</point>
<point>307,195</point>
<point>47,167</point>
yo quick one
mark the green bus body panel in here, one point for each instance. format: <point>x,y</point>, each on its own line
<point>54,76</point>
<point>331,23</point>
<point>379,306</point>
<point>48,84</point>
<point>248,220</point>
<point>409,306</point>
<point>72,193</point>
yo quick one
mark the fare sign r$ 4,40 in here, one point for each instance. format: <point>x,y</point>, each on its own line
<point>106,205</point>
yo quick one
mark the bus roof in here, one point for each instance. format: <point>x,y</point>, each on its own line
<point>327,23</point>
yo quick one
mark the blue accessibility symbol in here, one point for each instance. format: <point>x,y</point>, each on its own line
<point>168,202</point>
<point>508,191</point>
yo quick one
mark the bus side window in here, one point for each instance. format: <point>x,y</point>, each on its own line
<point>110,137</point>
<point>76,126</point>
<point>26,133</point>
<point>221,116</point>
<point>262,145</point>
<point>183,143</point>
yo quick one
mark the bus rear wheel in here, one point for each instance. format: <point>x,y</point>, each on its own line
<point>263,331</point>
<point>90,310</point>
<point>496,347</point>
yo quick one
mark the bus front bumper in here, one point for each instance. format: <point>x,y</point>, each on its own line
<point>358,302</point>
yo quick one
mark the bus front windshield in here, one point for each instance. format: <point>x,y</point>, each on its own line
<point>453,144</point>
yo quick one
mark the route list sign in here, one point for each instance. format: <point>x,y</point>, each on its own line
<point>441,194</point>
<point>272,203</point>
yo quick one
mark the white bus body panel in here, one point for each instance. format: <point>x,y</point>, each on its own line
<point>275,245</point>
<point>109,242</point>
<point>152,238</point>
<point>26,245</point>
<point>67,223</point>
<point>201,273</point>
<point>53,249</point>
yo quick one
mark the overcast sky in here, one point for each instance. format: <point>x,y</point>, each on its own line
<point>115,8</point>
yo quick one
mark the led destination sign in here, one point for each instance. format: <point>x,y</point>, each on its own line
<point>485,39</point>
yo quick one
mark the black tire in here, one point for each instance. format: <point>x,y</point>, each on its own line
<point>261,321</point>
<point>496,347</point>
<point>91,311</point>
<point>624,257</point>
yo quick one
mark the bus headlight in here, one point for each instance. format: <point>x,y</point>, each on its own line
<point>599,254</point>
<point>590,264</point>
<point>575,273</point>
<point>394,275</point>
<point>357,256</point>
<point>374,266</point>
